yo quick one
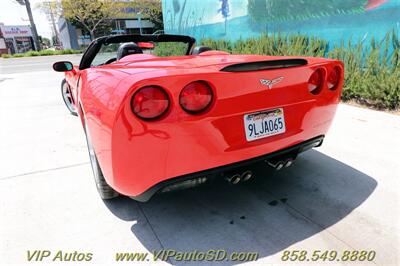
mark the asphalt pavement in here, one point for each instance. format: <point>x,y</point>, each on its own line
<point>341,196</point>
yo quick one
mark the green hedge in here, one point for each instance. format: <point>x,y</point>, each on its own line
<point>372,70</point>
<point>42,53</point>
<point>372,75</point>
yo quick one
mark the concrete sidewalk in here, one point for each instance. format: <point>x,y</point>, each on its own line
<point>342,196</point>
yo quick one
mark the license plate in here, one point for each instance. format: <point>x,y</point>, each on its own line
<point>264,124</point>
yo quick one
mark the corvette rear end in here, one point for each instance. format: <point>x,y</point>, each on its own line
<point>157,123</point>
<point>186,124</point>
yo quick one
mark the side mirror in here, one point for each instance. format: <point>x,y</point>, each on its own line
<point>63,66</point>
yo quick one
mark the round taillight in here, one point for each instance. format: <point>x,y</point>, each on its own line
<point>334,78</point>
<point>196,97</point>
<point>316,81</point>
<point>150,102</point>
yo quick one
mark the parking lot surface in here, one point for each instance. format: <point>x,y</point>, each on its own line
<point>341,196</point>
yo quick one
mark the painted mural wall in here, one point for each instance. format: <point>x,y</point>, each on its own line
<point>332,20</point>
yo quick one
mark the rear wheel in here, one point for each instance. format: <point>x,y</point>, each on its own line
<point>105,191</point>
<point>67,97</point>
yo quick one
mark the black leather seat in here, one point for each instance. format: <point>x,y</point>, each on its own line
<point>127,49</point>
<point>200,49</point>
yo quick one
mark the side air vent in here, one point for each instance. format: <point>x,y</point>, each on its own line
<point>264,65</point>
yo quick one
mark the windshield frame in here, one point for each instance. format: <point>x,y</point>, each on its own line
<point>96,45</point>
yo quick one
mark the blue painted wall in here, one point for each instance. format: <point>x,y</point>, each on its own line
<point>332,20</point>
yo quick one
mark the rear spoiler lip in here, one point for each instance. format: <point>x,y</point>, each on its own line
<point>264,65</point>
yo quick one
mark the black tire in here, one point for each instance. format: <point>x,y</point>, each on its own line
<point>104,190</point>
<point>67,97</point>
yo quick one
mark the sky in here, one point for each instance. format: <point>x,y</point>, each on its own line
<point>12,13</point>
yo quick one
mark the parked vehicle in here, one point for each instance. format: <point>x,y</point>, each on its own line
<point>157,123</point>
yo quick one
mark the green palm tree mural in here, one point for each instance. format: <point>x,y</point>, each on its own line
<point>263,11</point>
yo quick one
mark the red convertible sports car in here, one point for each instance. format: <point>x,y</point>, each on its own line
<point>160,114</point>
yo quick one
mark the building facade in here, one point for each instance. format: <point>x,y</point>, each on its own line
<point>16,39</point>
<point>67,34</point>
<point>128,22</point>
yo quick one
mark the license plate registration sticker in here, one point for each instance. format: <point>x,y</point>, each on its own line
<point>264,124</point>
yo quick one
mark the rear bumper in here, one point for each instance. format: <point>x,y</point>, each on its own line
<point>218,171</point>
<point>145,154</point>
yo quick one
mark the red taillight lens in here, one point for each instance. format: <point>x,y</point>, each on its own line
<point>150,102</point>
<point>334,78</point>
<point>196,97</point>
<point>315,82</point>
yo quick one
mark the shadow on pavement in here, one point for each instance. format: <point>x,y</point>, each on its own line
<point>265,215</point>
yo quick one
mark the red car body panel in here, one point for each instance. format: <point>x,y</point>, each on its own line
<point>136,154</point>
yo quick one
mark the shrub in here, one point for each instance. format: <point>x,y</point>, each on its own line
<point>170,49</point>
<point>46,52</point>
<point>43,53</point>
<point>32,53</point>
<point>68,51</point>
<point>274,44</point>
<point>372,72</point>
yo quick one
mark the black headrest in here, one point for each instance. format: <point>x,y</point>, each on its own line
<point>127,49</point>
<point>200,49</point>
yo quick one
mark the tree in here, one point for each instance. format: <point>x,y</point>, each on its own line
<point>53,11</point>
<point>152,10</point>
<point>27,4</point>
<point>89,14</point>
<point>46,41</point>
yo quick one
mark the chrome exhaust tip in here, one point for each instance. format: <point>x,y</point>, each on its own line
<point>234,179</point>
<point>279,165</point>
<point>288,163</point>
<point>246,175</point>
